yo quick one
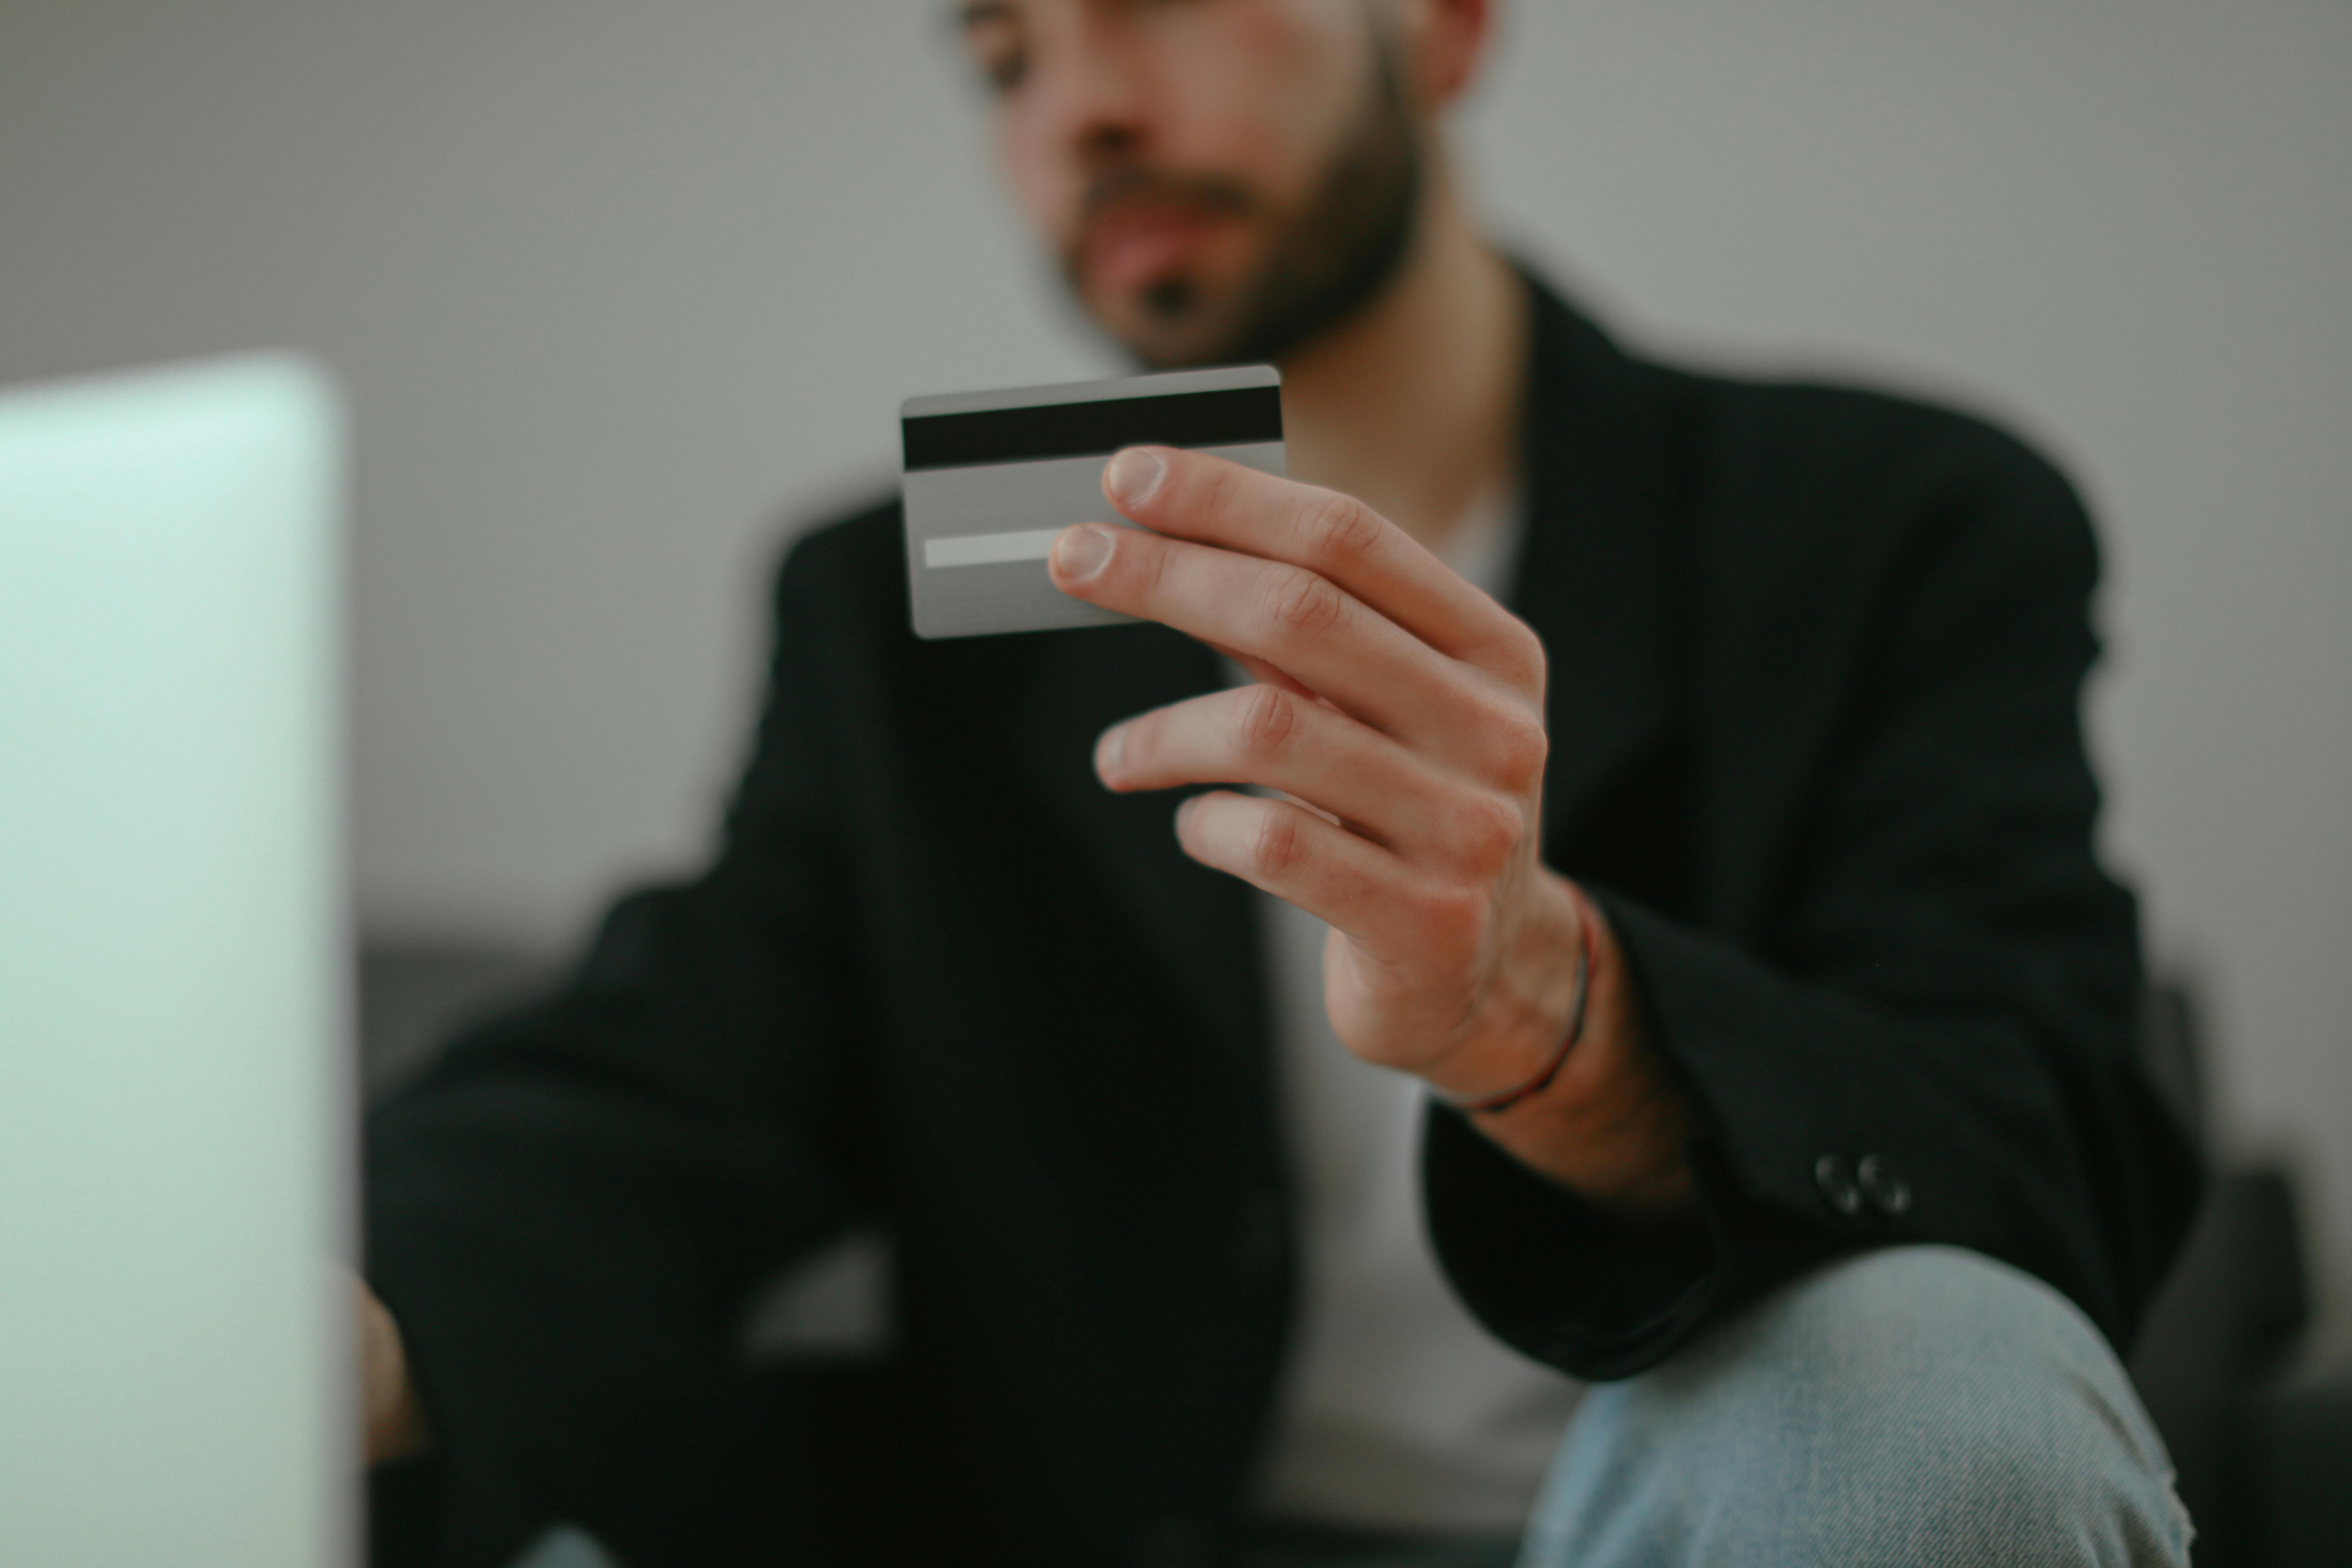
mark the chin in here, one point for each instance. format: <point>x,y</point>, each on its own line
<point>1200,333</point>
<point>1159,347</point>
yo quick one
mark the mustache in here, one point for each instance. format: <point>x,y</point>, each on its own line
<point>1131,183</point>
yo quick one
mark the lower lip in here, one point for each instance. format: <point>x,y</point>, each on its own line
<point>1133,249</point>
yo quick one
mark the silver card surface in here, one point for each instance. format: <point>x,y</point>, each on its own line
<point>991,478</point>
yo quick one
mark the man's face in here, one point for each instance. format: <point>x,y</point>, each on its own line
<point>1222,179</point>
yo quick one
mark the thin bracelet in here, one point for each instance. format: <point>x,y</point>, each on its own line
<point>1587,958</point>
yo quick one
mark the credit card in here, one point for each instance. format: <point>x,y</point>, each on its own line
<point>991,478</point>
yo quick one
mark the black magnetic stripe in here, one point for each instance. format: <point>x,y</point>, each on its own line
<point>1231,417</point>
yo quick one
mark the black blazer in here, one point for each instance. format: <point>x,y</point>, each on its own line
<point>1816,657</point>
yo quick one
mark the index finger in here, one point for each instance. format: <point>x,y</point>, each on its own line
<point>1192,495</point>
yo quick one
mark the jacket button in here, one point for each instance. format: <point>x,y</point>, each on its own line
<point>1837,1186</point>
<point>1882,1181</point>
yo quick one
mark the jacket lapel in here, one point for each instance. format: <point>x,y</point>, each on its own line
<point>1596,577</point>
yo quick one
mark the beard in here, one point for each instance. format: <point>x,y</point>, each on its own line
<point>1325,259</point>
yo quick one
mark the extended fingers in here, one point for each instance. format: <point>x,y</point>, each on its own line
<point>1273,612</point>
<point>1267,736</point>
<point>1345,880</point>
<point>1192,495</point>
<point>1291,627</point>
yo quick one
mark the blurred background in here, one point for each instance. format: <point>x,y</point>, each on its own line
<point>625,294</point>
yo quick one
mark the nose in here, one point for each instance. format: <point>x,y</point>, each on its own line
<point>1091,92</point>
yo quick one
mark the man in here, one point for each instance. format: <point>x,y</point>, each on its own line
<point>1693,979</point>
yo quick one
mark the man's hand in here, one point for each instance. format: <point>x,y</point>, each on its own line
<point>393,1422</point>
<point>1401,711</point>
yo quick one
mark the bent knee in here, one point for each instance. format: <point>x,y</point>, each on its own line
<point>1918,1404</point>
<point>1959,1342</point>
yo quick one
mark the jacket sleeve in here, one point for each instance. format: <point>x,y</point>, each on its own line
<point>565,1217</point>
<point>1944,979</point>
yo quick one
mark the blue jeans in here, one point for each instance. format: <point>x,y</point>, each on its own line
<point>1919,1406</point>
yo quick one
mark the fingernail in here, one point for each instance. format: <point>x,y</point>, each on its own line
<point>1081,551</point>
<point>1134,474</point>
<point>1111,750</point>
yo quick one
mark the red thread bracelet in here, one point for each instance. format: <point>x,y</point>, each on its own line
<point>1587,959</point>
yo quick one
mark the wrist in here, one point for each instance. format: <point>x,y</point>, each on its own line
<point>1610,1123</point>
<point>1565,1034</point>
<point>1542,985</point>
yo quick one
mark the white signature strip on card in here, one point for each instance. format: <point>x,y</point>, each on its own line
<point>991,549</point>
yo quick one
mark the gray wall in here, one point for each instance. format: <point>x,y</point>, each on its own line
<point>618,290</point>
